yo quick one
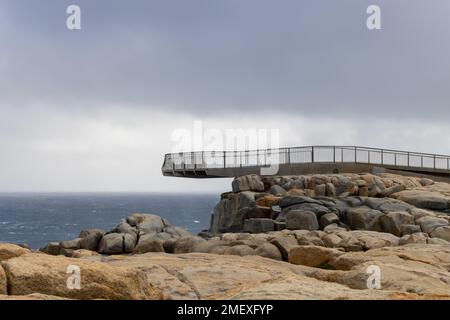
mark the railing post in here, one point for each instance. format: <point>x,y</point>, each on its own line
<point>434,160</point>
<point>334,154</point>
<point>408,159</point>
<point>382,156</point>
<point>312,154</point>
<point>368,156</point>
<point>224,159</point>
<point>356,155</point>
<point>395,158</point>
<point>421,161</point>
<point>289,155</point>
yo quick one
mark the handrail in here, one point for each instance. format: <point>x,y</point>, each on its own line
<point>306,154</point>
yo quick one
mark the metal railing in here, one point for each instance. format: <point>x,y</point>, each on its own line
<point>298,155</point>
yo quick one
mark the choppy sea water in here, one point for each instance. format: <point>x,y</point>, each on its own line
<point>38,218</point>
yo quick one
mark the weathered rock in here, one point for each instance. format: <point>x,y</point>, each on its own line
<point>279,226</point>
<point>149,243</point>
<point>312,256</point>
<point>169,245</point>
<point>8,251</point>
<point>373,240</point>
<point>67,252</point>
<point>268,250</point>
<point>247,183</point>
<point>46,274</point>
<point>240,250</point>
<point>327,219</point>
<point>125,228</point>
<point>177,232</point>
<point>441,232</point>
<point>129,242</point>
<point>268,201</point>
<point>415,268</point>
<point>227,216</point>
<point>364,218</point>
<point>428,223</point>
<point>276,190</point>
<point>386,205</point>
<point>83,253</point>
<point>257,225</point>
<point>70,244</point>
<point>185,244</point>
<point>147,223</point>
<point>3,282</point>
<point>51,248</point>
<point>111,243</point>
<point>391,190</point>
<point>438,241</point>
<point>308,238</point>
<point>363,191</point>
<point>87,232</point>
<point>301,220</point>
<point>257,212</point>
<point>330,190</point>
<point>295,200</point>
<point>423,199</point>
<point>342,239</point>
<point>210,246</point>
<point>332,240</point>
<point>284,245</point>
<point>90,239</point>
<point>418,237</point>
<point>334,227</point>
<point>320,190</point>
<point>409,229</point>
<point>33,296</point>
<point>392,222</point>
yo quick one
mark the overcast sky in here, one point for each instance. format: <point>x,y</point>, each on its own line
<point>95,109</point>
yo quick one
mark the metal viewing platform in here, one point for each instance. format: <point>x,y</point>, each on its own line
<point>305,160</point>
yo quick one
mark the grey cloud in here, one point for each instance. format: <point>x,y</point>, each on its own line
<point>306,57</point>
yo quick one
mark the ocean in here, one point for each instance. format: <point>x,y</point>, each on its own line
<point>39,218</point>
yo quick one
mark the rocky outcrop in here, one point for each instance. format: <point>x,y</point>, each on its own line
<point>138,233</point>
<point>248,183</point>
<point>46,274</point>
<point>420,269</point>
<point>387,203</point>
<point>408,272</point>
<point>3,283</point>
<point>8,251</point>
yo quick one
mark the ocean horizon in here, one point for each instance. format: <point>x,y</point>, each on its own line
<point>36,218</point>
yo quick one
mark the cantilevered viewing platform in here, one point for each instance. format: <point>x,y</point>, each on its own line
<point>305,160</point>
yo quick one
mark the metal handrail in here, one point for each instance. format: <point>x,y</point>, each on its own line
<point>309,154</point>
